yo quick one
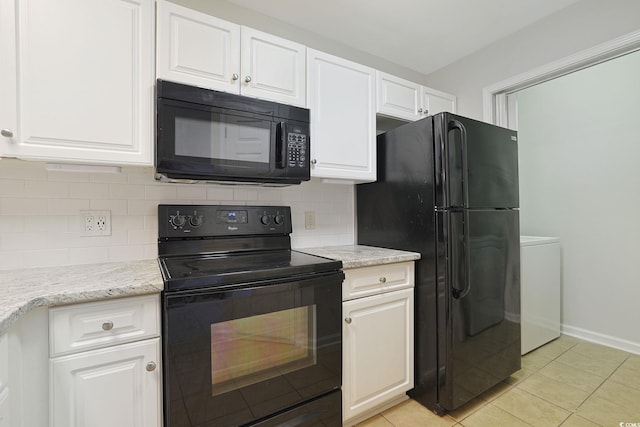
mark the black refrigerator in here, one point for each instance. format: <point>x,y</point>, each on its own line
<point>448,188</point>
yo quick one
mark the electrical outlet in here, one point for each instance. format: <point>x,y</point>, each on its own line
<point>95,223</point>
<point>310,220</point>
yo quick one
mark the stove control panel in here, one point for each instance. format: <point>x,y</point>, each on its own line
<point>222,220</point>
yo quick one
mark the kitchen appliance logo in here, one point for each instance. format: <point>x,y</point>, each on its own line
<point>232,228</point>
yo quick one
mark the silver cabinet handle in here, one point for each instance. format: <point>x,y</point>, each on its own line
<point>108,325</point>
<point>235,76</point>
<point>419,110</point>
<point>7,133</point>
<point>314,161</point>
<point>426,112</point>
<point>247,79</point>
<point>383,279</point>
<point>151,366</point>
<point>348,320</point>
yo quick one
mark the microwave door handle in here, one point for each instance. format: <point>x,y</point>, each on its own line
<point>281,145</point>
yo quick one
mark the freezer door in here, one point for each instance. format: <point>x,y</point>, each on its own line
<point>476,164</point>
<point>480,337</point>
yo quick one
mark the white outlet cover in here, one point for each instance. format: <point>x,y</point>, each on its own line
<point>95,223</point>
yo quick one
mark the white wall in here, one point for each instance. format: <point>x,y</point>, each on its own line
<point>579,145</point>
<point>573,29</point>
<point>40,212</point>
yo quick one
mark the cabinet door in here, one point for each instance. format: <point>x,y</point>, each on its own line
<point>82,75</point>
<point>273,68</point>
<point>434,101</point>
<point>397,97</point>
<point>5,420</point>
<point>115,386</point>
<point>341,97</point>
<point>377,350</point>
<point>197,49</point>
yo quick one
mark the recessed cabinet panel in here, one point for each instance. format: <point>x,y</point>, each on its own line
<point>273,68</point>
<point>341,97</point>
<point>378,350</point>
<point>83,78</point>
<point>197,49</point>
<point>5,411</point>
<point>397,97</point>
<point>201,50</point>
<point>434,102</point>
<point>115,386</point>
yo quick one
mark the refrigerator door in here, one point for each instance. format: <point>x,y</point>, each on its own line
<point>476,164</point>
<point>481,331</point>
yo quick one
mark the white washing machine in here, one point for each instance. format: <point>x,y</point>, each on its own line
<point>539,290</point>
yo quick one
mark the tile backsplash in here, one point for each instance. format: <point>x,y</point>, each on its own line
<point>40,223</point>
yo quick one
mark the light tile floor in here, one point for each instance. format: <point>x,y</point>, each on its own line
<point>567,382</point>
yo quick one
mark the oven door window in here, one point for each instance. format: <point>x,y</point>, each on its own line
<point>210,140</point>
<point>234,356</point>
<point>254,349</point>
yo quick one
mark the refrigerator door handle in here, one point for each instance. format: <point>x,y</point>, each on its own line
<point>461,293</point>
<point>456,124</point>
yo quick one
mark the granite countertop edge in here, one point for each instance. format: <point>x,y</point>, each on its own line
<point>27,289</point>
<point>355,256</point>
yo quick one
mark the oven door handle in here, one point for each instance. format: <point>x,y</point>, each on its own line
<point>281,145</point>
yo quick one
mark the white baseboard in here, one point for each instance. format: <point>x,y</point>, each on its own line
<point>598,338</point>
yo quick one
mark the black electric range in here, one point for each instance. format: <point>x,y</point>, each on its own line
<point>251,328</point>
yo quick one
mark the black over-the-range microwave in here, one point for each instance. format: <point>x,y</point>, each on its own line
<point>206,135</point>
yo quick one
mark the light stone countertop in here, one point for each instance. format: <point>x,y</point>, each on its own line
<point>24,290</point>
<point>354,256</point>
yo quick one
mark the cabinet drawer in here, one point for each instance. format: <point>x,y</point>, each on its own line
<point>98,324</point>
<point>365,281</point>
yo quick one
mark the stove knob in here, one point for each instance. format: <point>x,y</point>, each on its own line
<point>177,220</point>
<point>264,219</point>
<point>195,221</point>
<point>279,219</point>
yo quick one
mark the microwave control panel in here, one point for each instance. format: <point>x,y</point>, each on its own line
<point>296,150</point>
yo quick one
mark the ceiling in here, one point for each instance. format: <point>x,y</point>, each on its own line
<point>422,35</point>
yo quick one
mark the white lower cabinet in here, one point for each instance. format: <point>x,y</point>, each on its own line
<point>377,352</point>
<point>115,386</point>
<point>105,364</point>
<point>5,410</point>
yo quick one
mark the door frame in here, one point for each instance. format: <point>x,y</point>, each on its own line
<point>495,105</point>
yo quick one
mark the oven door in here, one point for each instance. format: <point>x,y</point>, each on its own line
<point>235,356</point>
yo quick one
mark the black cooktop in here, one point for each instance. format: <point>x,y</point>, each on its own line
<point>207,271</point>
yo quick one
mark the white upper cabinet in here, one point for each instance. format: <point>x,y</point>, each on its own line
<point>197,49</point>
<point>402,99</point>
<point>77,80</point>
<point>434,101</point>
<point>201,50</point>
<point>341,98</point>
<point>398,97</point>
<point>273,68</point>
